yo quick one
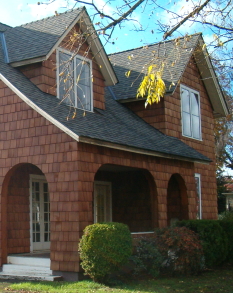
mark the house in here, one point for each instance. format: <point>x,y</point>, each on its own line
<point>118,162</point>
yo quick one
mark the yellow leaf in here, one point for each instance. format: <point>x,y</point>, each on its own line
<point>74,115</point>
<point>129,57</point>
<point>127,74</point>
<point>84,114</point>
<point>62,73</point>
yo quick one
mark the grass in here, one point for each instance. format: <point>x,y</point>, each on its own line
<point>211,281</point>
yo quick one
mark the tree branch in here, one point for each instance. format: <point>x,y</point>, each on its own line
<point>191,14</point>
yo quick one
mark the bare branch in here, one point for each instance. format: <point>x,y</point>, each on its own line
<point>190,15</point>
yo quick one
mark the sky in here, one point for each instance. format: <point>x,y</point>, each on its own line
<point>17,12</point>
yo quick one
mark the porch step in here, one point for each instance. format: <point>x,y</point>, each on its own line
<point>28,268</point>
<point>30,261</point>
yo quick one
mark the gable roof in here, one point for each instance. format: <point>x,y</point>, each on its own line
<point>176,55</point>
<point>42,37</point>
<point>116,127</point>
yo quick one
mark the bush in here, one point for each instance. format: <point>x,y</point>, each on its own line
<point>147,258</point>
<point>214,239</point>
<point>227,226</point>
<point>227,215</point>
<point>182,249</point>
<point>103,248</point>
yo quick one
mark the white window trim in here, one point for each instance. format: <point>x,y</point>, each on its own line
<point>197,175</point>
<point>195,92</point>
<point>110,200</point>
<point>75,88</point>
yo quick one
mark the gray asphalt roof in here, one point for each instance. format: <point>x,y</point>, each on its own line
<point>117,124</point>
<point>37,38</point>
<point>175,55</point>
<point>3,27</point>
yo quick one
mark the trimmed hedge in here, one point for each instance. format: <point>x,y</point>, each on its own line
<point>227,226</point>
<point>104,247</point>
<point>214,239</point>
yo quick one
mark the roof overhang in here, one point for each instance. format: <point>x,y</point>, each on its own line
<point>210,80</point>
<point>95,44</point>
<point>93,140</point>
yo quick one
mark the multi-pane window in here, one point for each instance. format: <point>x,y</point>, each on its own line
<point>198,188</point>
<point>74,80</point>
<point>191,118</point>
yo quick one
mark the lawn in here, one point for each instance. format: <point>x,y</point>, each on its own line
<point>211,281</point>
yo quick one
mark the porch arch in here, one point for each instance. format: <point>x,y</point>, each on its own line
<point>134,196</point>
<point>177,199</point>
<point>16,209</point>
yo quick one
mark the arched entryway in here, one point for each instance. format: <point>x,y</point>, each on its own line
<point>177,200</point>
<point>26,207</point>
<point>126,195</point>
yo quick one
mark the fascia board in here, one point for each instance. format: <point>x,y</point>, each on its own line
<point>138,150</point>
<point>98,51</point>
<point>210,81</point>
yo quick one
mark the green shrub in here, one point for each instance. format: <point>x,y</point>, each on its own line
<point>227,226</point>
<point>214,239</point>
<point>103,248</point>
<point>227,215</point>
<point>147,258</point>
<point>182,249</point>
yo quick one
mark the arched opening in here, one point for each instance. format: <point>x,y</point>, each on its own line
<point>125,195</point>
<point>177,200</point>
<point>26,208</point>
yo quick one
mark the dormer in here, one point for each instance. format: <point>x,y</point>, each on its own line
<point>42,60</point>
<point>192,92</point>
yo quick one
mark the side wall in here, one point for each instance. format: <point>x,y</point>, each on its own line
<point>27,137</point>
<point>70,168</point>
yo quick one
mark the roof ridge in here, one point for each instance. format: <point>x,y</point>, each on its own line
<point>52,16</point>
<point>152,44</point>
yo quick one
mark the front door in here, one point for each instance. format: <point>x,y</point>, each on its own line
<point>102,202</point>
<point>39,213</point>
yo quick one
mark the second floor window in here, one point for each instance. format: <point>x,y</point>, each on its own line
<point>74,80</point>
<point>191,118</point>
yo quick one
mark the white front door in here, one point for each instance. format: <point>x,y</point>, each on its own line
<point>39,213</point>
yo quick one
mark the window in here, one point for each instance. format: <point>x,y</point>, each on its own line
<point>74,75</point>
<point>102,202</point>
<point>191,118</point>
<point>198,188</point>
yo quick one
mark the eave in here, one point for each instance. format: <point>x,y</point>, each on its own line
<point>90,140</point>
<point>209,78</point>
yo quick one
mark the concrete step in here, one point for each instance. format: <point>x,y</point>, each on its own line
<point>26,269</point>
<point>31,277</point>
<point>31,261</point>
